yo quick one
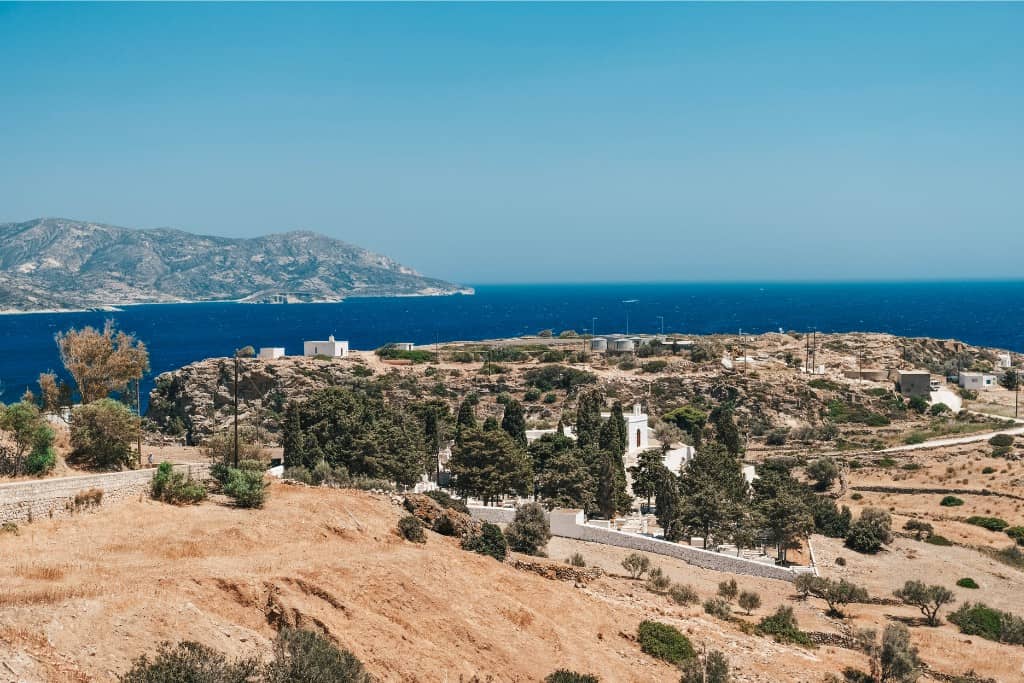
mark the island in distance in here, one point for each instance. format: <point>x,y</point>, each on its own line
<point>60,264</point>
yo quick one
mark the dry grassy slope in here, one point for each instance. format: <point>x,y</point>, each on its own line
<point>87,595</point>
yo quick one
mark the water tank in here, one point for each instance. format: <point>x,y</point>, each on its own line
<point>623,345</point>
<point>598,344</point>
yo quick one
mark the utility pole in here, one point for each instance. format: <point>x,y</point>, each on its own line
<point>236,408</point>
<point>138,411</point>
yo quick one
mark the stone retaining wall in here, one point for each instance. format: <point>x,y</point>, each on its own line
<point>934,490</point>
<point>25,501</point>
<point>570,524</point>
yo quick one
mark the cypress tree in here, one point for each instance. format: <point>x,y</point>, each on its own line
<point>465,420</point>
<point>727,432</point>
<point>514,422</point>
<point>588,419</point>
<point>619,420</point>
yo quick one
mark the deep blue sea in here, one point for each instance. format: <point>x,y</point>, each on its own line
<point>984,313</point>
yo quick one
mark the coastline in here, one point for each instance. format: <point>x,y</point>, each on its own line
<point>119,307</point>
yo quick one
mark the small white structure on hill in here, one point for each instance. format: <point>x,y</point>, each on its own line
<point>271,352</point>
<point>976,380</point>
<point>1004,361</point>
<point>331,348</point>
<point>401,346</point>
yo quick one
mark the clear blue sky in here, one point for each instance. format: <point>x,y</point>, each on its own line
<point>537,142</point>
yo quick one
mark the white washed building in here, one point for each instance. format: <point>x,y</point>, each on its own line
<point>332,348</point>
<point>271,352</point>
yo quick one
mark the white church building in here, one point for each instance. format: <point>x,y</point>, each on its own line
<point>331,348</point>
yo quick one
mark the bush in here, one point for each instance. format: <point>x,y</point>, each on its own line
<point>981,620</point>
<point>728,590</point>
<point>1001,441</point>
<point>654,366</point>
<point>683,595</point>
<point>664,642</point>
<point>9,528</point>
<point>190,662</point>
<point>783,627</point>
<point>777,437</point>
<point>936,539</point>
<point>837,594</point>
<point>489,541</point>
<point>410,528</point>
<point>855,495</point>
<point>532,394</point>
<point>1016,533</point>
<point>951,502</point>
<point>717,607</point>
<point>749,601</point>
<point>102,434</point>
<point>174,488</point>
<point>40,461</point>
<point>576,560</point>
<point>529,531</point>
<point>990,523</point>
<point>710,668</point>
<point>246,487</point>
<point>298,473</point>
<point>870,532</point>
<point>988,470</point>
<point>550,398</point>
<point>921,530</point>
<point>301,655</point>
<point>636,564</point>
<point>657,580</point>
<point>567,676</point>
<point>967,583</point>
<point>823,472</point>
<point>840,561</point>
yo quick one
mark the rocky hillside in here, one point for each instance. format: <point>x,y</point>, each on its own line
<point>55,263</point>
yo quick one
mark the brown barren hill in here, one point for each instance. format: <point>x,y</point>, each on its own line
<point>82,597</point>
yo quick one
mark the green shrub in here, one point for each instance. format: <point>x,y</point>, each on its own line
<point>103,433</point>
<point>529,531</point>
<point>301,655</point>
<point>1001,441</point>
<point>936,539</point>
<point>489,541</point>
<point>921,530</point>
<point>1016,533</point>
<point>636,564</point>
<point>9,528</point>
<point>246,487</point>
<point>870,532</point>
<point>297,473</point>
<point>967,583</point>
<point>990,523</point>
<point>709,667</point>
<point>576,560</point>
<point>40,461</point>
<point>410,528</point>
<point>532,394</point>
<point>567,676</point>
<point>728,590</point>
<point>856,496</point>
<point>749,601</point>
<point>783,627</point>
<point>979,619</point>
<point>951,502</point>
<point>717,607</point>
<point>654,366</point>
<point>664,642</point>
<point>657,580</point>
<point>683,595</point>
<point>190,662</point>
<point>174,487</point>
<point>988,470</point>
<point>550,398</point>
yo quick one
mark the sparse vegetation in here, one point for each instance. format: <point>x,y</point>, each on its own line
<point>709,667</point>
<point>870,532</point>
<point>246,487</point>
<point>967,583</point>
<point>657,580</point>
<point>636,564</point>
<point>749,601</point>
<point>718,607</point>
<point>990,523</point>
<point>683,594</point>
<point>567,676</point>
<point>978,619</point>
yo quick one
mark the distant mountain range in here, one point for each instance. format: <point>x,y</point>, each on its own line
<point>59,264</point>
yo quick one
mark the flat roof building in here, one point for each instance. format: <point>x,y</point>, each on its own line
<point>331,348</point>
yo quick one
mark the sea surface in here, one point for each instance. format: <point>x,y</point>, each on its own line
<point>983,313</point>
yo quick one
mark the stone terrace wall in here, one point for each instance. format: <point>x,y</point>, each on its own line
<point>37,499</point>
<point>569,524</point>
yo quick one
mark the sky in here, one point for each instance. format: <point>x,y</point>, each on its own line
<point>501,143</point>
